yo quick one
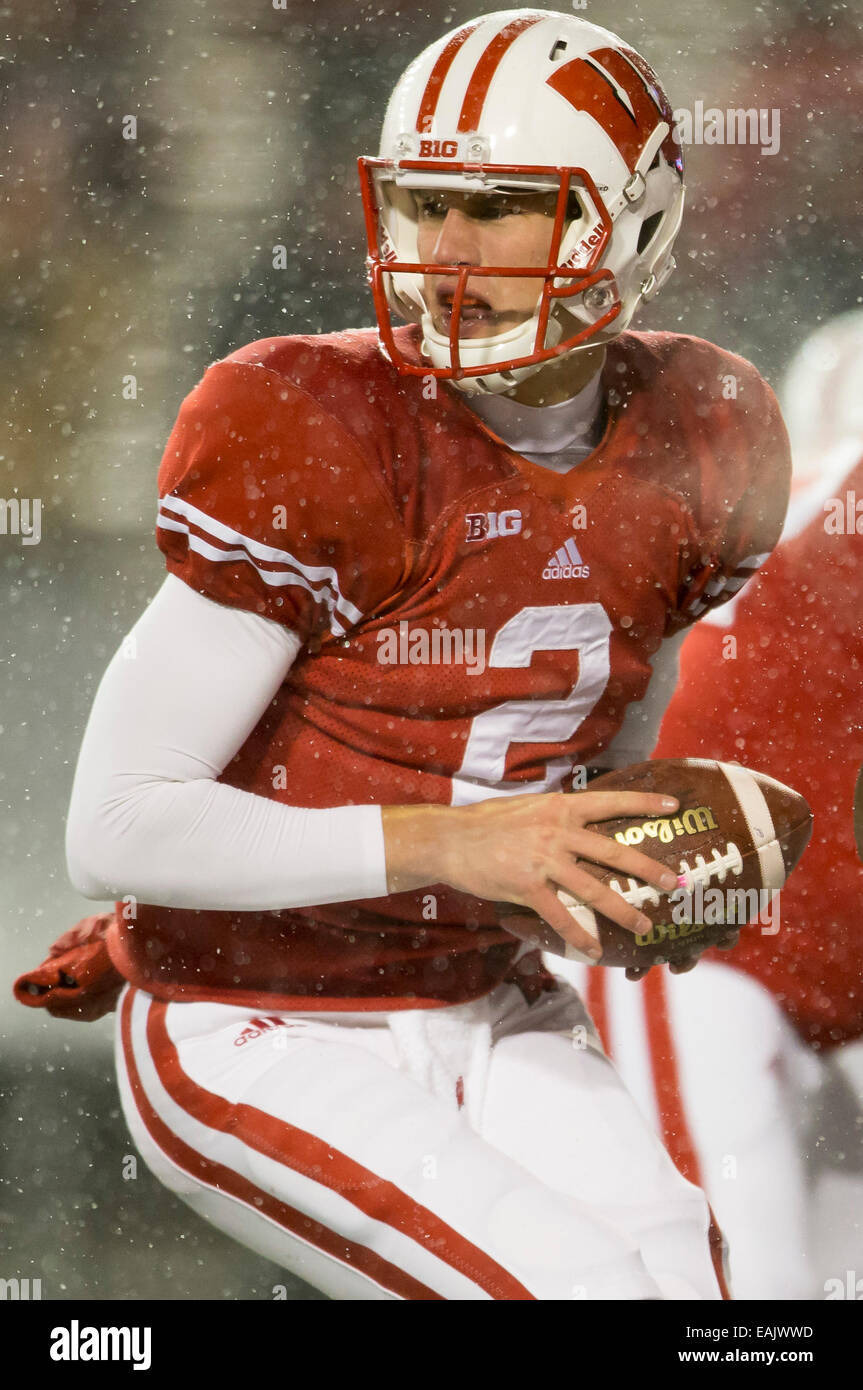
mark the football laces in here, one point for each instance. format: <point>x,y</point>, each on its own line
<point>700,871</point>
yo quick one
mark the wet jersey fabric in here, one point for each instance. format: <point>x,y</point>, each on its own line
<point>473,624</point>
<point>787,699</point>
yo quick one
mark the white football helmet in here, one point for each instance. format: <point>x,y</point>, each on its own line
<point>527,100</point>
<point>821,393</point>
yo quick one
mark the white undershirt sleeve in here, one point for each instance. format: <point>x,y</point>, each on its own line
<point>147,817</point>
<point>636,738</point>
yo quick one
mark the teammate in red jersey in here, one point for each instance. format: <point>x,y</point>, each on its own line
<point>420,580</point>
<point>797,656</point>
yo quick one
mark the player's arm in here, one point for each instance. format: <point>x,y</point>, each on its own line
<point>147,816</point>
<point>276,532</point>
<point>738,514</point>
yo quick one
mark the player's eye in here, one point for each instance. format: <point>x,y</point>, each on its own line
<point>431,207</point>
<point>494,211</point>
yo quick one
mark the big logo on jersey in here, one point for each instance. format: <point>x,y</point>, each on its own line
<point>483,526</point>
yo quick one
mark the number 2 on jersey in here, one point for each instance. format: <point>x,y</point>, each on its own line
<point>584,628</point>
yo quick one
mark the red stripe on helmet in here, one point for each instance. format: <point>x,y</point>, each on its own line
<point>589,85</point>
<point>477,87</point>
<point>437,76</point>
<point>670,148</point>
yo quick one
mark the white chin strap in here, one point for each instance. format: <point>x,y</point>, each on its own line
<point>477,352</point>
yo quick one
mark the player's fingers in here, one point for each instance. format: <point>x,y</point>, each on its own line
<point>589,892</point>
<point>548,905</point>
<point>587,844</point>
<point>587,807</point>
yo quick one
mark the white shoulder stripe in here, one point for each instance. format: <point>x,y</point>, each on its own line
<point>321,581</point>
<point>276,579</point>
<point>220,531</point>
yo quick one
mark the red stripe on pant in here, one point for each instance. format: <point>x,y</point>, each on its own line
<point>666,1082</point>
<point>307,1154</point>
<point>596,999</point>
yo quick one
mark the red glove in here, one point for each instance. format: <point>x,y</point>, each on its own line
<point>78,980</point>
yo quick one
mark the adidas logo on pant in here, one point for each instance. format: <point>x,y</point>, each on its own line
<point>566,563</point>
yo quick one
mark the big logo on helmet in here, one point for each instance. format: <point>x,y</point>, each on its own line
<point>438,149</point>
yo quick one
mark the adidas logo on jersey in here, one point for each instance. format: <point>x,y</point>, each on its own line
<point>566,563</point>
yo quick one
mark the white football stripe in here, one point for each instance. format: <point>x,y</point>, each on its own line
<point>772,866</point>
<point>757,815</point>
<point>586,918</point>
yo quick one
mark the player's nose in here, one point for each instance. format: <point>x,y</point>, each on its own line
<point>458,242</point>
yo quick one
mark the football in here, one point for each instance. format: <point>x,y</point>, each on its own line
<point>734,840</point>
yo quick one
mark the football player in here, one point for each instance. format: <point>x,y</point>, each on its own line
<point>421,578</point>
<point>719,1062</point>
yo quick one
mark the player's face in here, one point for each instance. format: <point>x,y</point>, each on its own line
<point>483,229</point>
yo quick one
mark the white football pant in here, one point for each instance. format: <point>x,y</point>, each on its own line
<point>479,1151</point>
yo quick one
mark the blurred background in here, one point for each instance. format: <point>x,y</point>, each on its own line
<point>128,265</point>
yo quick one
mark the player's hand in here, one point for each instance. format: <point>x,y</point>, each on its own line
<point>682,967</point>
<point>520,849</point>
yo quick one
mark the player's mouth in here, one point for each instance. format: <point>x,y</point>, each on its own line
<point>477,315</point>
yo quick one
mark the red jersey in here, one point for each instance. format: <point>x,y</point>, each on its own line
<point>473,623</point>
<point>790,703</point>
